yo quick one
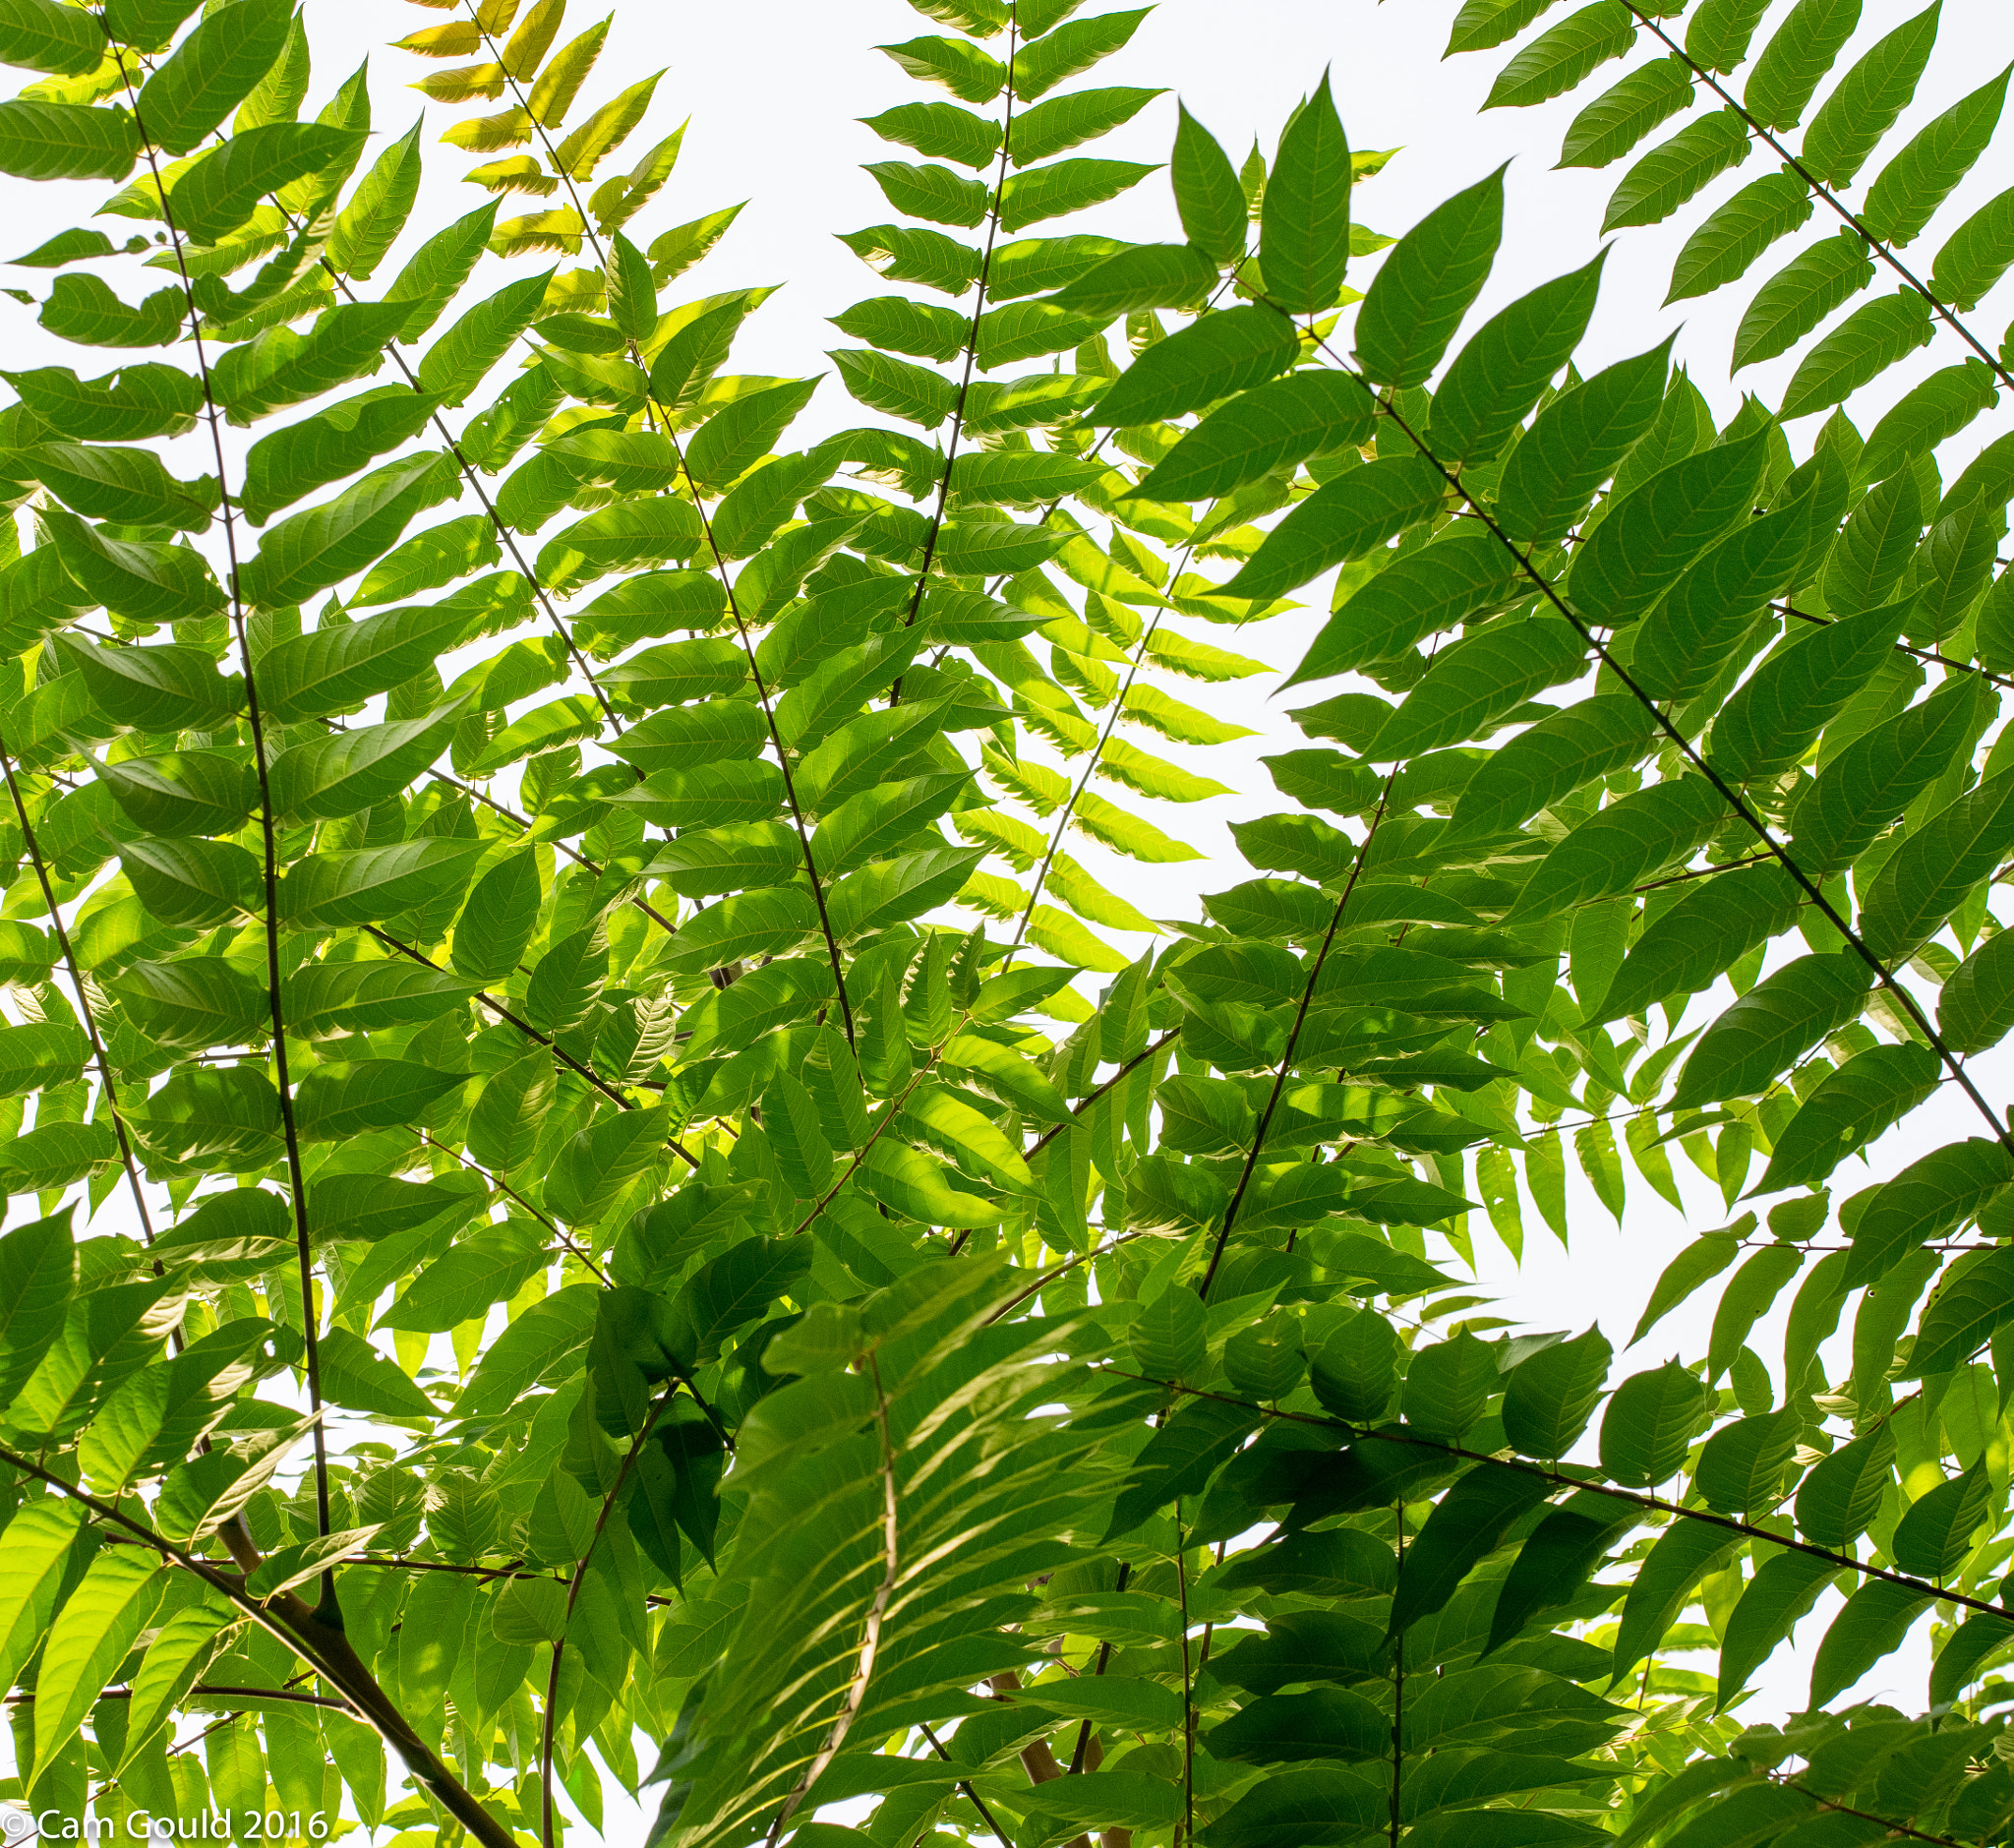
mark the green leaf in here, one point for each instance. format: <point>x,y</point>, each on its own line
<point>1070,50</point>
<point>371,883</point>
<point>141,400</point>
<point>1271,426</point>
<point>1683,1554</point>
<point>366,229</point>
<point>1208,196</point>
<point>1304,224</point>
<point>1472,685</point>
<point>1930,1197</point>
<point>1352,516</point>
<point>434,275</point>
<point>1466,1525</point>
<point>94,1632</point>
<point>1865,101</point>
<point>1483,24</point>
<point>355,1376</point>
<point>1801,295</point>
<point>174,1661</point>
<point>1675,170</point>
<point>1741,1465</point>
<point>355,770</point>
<point>1736,232</point>
<point>201,1001</point>
<point>1868,559</point>
<point>1447,1385</point>
<point>1652,1420</point>
<point>1977,254</point>
<point>1772,1026</point>
<point>1880,774</point>
<point>39,37</point>
<point>129,486</point>
<point>1782,1591</point>
<point>1065,121</point>
<point>1933,1537</point>
<point>38,1275</point>
<point>1975,1007</point>
<point>1908,190</point>
<point>940,131</point>
<point>196,883</point>
<point>1843,1492</point>
<point>491,1266</point>
<point>497,920</point>
<point>932,193</point>
<point>141,581</point>
<point>1875,1621</point>
<point>324,998</point>
<point>1796,59</point>
<point>212,71</point>
<point>1497,377</point>
<point>323,545</point>
<point>1629,840</point>
<point>1711,927</point>
<point>1561,56</point>
<point>54,141</point>
<point>1427,283</point>
<point>896,388</point>
<point>966,71</point>
<point>1561,753</point>
<point>1864,345</point>
<point>463,356</point>
<point>1777,713</point>
<point>336,1102</point>
<point>1618,118</point>
<point>1937,865</point>
<point>741,433</point>
<point>1576,443</point>
<point>1849,1109</point>
<point>316,451</point>
<point>222,189</point>
<point>1644,548</point>
<point>1719,33</point>
<point>1936,408</point>
<point>1213,358</point>
<point>330,670</point>
<point>1142,276</point>
<point>167,687</point>
<point>1550,1394</point>
<point>1062,187</point>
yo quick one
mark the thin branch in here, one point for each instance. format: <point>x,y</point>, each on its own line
<point>1098,751</point>
<point>468,472</point>
<point>1286,1057</point>
<point>530,1032</point>
<point>503,1186</point>
<point>720,563</point>
<point>1188,1834</point>
<point>323,1648</point>
<point>1874,244</point>
<point>994,204</point>
<point>1651,1503</point>
<point>1949,663</point>
<point>1884,976</point>
<point>877,1611</point>
<point>297,1186</point>
<point>84,1006</point>
<point>972,1795</point>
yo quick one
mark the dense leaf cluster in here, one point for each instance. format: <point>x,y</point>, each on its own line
<point>650,1200</point>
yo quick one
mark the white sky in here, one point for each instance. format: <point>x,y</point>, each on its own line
<point>774,90</point>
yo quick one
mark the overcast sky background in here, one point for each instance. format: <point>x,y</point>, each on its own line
<point>774,89</point>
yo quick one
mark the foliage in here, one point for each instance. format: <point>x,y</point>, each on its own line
<point>613,1247</point>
